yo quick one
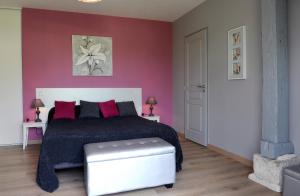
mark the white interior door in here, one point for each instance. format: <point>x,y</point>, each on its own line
<point>196,88</point>
<point>11,98</point>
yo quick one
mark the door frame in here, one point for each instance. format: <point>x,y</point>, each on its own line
<point>207,82</point>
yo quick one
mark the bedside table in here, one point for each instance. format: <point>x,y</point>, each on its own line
<point>153,118</point>
<point>31,124</point>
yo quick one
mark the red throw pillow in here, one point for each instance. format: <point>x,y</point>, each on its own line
<point>109,109</point>
<point>64,110</point>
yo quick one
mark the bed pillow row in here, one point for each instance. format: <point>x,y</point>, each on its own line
<point>66,110</point>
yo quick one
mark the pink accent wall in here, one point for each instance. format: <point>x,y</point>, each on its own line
<point>142,55</point>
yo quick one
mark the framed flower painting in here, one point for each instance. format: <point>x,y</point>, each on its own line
<point>92,56</point>
<point>237,59</point>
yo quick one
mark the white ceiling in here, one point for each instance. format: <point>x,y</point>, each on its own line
<point>164,10</point>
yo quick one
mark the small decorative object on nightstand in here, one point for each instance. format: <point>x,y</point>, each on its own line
<point>151,101</point>
<point>153,118</point>
<point>27,125</point>
<point>36,104</point>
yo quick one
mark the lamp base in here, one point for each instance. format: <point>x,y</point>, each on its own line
<point>38,120</point>
<point>151,110</point>
<point>38,115</point>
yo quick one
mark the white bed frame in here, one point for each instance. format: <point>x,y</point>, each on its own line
<point>50,95</point>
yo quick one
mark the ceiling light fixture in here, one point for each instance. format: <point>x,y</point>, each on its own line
<point>89,1</point>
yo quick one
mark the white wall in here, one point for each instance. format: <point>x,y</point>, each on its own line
<point>11,114</point>
<point>234,109</point>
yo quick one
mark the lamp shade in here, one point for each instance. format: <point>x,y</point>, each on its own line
<point>151,101</point>
<point>36,103</point>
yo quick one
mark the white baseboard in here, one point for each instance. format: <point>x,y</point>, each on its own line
<point>31,142</point>
<point>8,145</point>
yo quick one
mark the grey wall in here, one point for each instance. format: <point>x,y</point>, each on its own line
<point>234,109</point>
<point>294,52</point>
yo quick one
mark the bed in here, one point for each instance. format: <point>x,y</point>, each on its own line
<point>63,142</point>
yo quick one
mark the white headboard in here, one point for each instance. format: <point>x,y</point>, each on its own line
<point>50,95</point>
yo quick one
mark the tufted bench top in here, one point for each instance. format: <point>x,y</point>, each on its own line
<point>116,150</point>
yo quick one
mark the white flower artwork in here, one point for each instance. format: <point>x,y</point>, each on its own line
<point>92,56</point>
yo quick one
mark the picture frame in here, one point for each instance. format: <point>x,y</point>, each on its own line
<point>237,59</point>
<point>92,55</point>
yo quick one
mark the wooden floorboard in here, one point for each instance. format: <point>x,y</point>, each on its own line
<point>205,172</point>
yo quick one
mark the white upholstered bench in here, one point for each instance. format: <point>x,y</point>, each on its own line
<point>112,167</point>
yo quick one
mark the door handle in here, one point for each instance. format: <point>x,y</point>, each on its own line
<point>201,86</point>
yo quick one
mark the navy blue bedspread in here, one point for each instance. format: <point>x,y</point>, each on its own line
<point>64,140</point>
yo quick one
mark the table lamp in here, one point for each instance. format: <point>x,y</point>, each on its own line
<point>36,104</point>
<point>151,101</point>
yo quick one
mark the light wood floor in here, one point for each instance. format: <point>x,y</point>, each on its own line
<point>204,173</point>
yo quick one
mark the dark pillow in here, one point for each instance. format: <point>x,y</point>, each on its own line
<point>127,108</point>
<point>64,110</point>
<point>89,109</point>
<point>109,109</point>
